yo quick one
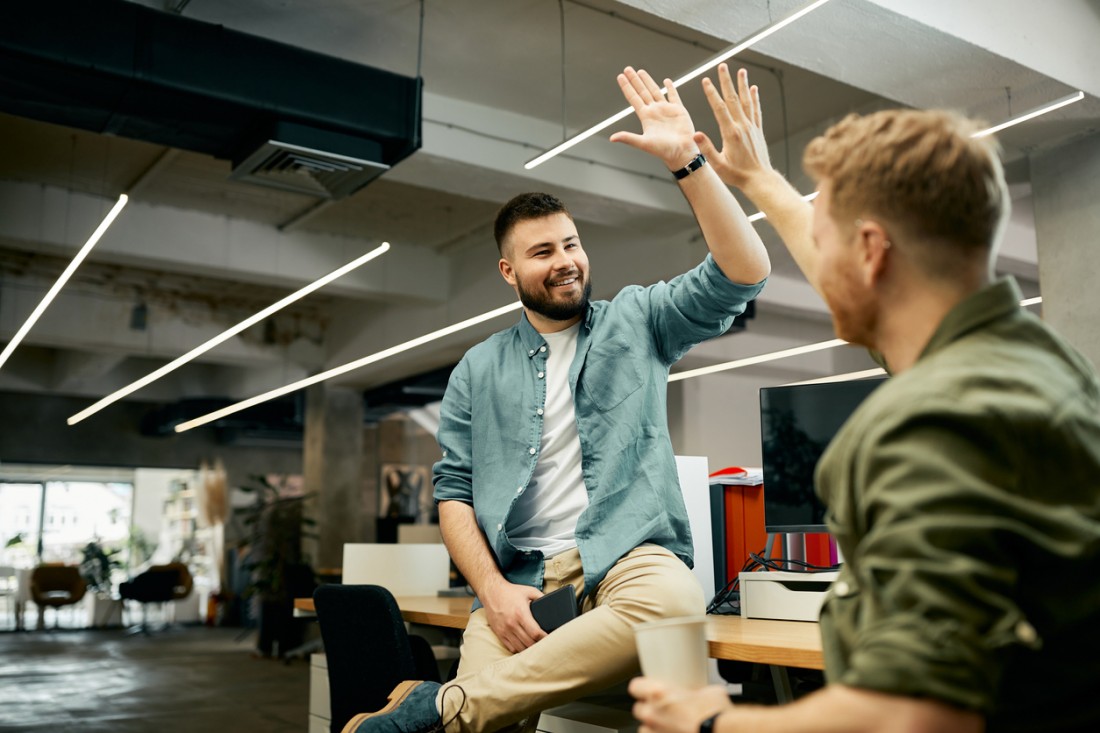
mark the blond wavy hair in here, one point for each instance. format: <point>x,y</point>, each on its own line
<point>920,171</point>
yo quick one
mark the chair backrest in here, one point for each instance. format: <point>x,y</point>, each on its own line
<point>184,583</point>
<point>367,648</point>
<point>158,584</point>
<point>57,585</point>
<point>404,569</point>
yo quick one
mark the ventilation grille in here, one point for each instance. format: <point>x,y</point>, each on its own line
<point>304,170</point>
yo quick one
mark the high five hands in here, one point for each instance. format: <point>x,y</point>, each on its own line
<point>669,134</point>
<point>744,153</point>
<point>667,129</point>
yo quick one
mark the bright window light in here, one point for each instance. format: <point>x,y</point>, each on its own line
<point>350,366</point>
<point>229,333</point>
<point>1026,302</point>
<point>696,72</point>
<point>53,291</point>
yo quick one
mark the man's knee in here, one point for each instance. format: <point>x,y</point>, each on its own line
<point>659,585</point>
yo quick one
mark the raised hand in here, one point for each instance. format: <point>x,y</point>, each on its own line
<point>744,151</point>
<point>667,129</point>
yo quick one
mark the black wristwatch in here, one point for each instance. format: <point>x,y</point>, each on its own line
<point>693,165</point>
<point>707,726</point>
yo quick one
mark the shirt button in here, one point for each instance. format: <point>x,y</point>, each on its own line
<point>444,454</point>
<point>542,348</point>
<point>841,588</point>
<point>529,353</point>
<point>541,375</point>
<point>1026,633</point>
<point>500,527</point>
<point>539,411</point>
<point>531,451</point>
<point>519,490</point>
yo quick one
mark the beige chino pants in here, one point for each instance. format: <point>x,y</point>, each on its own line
<point>586,655</point>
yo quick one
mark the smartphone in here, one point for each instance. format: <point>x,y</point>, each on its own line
<point>555,608</point>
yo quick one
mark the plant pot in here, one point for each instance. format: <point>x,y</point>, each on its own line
<point>103,610</point>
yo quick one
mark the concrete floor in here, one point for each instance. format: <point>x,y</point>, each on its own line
<point>192,679</point>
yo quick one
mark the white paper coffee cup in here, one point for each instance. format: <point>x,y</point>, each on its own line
<point>674,650</point>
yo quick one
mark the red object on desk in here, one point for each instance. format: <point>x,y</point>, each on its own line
<point>745,528</point>
<point>744,515</point>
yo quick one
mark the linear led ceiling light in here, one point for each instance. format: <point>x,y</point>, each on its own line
<point>52,293</point>
<point>345,368</point>
<point>229,333</point>
<point>849,377</point>
<point>696,72</point>
<point>1058,104</point>
<point>796,351</point>
<point>1063,102</point>
<point>760,359</point>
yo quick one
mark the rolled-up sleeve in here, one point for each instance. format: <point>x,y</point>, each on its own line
<point>932,604</point>
<point>696,306</point>
<point>452,476</point>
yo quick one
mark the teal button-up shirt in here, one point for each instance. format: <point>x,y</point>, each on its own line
<point>491,420</point>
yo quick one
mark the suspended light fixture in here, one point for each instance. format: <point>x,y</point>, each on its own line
<point>68,273</point>
<point>696,72</point>
<point>229,333</point>
<point>345,368</point>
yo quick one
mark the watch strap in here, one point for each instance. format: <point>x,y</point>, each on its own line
<point>707,726</point>
<point>693,165</point>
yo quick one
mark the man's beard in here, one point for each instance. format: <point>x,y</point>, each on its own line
<point>545,306</point>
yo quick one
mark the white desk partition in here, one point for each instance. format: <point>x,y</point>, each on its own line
<point>403,569</point>
<point>695,485</point>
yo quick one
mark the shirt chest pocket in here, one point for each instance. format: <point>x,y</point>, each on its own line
<point>611,374</point>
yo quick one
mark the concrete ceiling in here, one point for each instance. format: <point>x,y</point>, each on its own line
<point>201,251</point>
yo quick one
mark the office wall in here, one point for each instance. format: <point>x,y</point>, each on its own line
<point>1066,185</point>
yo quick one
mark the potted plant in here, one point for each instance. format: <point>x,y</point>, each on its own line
<point>278,569</point>
<point>96,566</point>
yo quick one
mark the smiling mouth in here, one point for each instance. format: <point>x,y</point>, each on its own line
<point>565,281</point>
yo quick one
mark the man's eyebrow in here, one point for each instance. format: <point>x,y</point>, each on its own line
<point>566,240</point>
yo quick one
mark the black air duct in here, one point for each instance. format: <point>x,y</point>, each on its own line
<point>120,68</point>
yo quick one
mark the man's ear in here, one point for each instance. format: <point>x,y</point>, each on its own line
<point>873,243</point>
<point>507,272</point>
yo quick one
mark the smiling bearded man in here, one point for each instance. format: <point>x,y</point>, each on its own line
<point>557,464</point>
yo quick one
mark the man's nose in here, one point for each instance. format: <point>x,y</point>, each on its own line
<point>563,261</point>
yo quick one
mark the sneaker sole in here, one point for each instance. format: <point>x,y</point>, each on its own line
<point>394,701</point>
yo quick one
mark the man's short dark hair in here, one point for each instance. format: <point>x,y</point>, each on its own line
<point>522,208</point>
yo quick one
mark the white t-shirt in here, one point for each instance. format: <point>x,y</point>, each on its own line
<point>545,516</point>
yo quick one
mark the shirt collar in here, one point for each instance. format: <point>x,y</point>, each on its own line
<point>988,304</point>
<point>532,340</point>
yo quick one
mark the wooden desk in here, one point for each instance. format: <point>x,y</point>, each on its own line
<point>779,643</point>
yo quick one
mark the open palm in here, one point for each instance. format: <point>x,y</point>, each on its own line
<point>667,128</point>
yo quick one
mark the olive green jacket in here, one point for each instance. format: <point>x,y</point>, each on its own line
<point>965,497</point>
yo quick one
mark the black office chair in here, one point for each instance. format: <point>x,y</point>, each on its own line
<point>159,584</point>
<point>367,648</point>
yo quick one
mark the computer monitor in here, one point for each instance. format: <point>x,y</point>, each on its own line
<point>797,422</point>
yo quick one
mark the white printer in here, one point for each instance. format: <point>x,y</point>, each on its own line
<point>783,594</point>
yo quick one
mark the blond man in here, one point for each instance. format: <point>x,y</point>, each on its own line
<point>965,492</point>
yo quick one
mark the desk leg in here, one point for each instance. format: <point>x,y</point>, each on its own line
<point>782,683</point>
